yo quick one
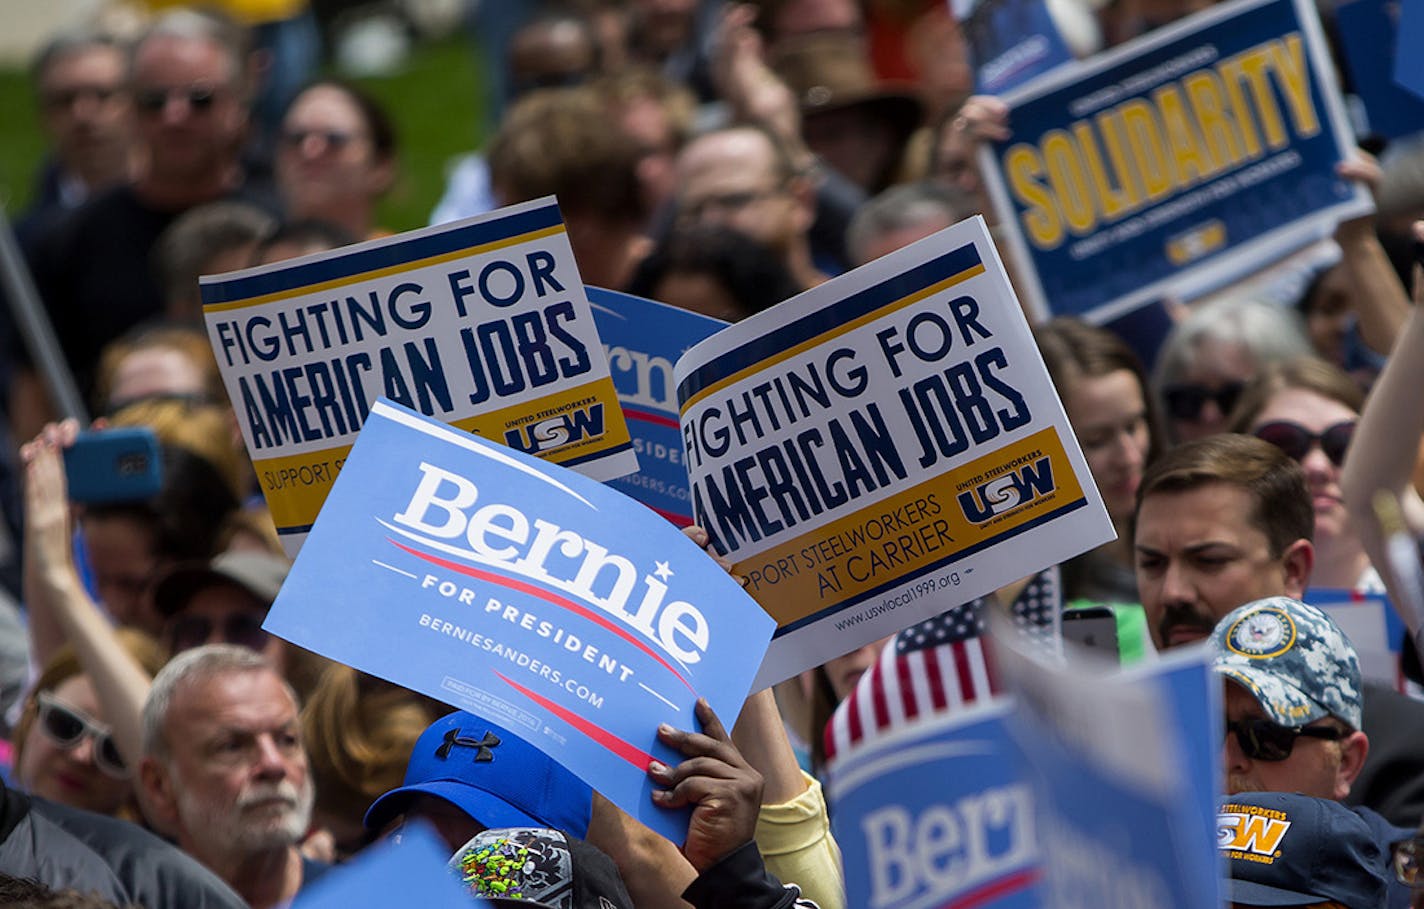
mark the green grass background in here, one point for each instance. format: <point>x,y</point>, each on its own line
<point>435,100</point>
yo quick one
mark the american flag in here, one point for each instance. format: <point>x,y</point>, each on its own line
<point>937,666</point>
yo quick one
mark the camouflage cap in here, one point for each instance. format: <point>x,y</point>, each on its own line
<point>1293,658</point>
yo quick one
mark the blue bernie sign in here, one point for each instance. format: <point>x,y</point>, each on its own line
<point>410,872</point>
<point>938,815</point>
<point>1126,780</point>
<point>1185,159</point>
<point>642,340</point>
<point>526,593</point>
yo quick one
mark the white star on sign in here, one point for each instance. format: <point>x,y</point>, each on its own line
<point>663,572</point>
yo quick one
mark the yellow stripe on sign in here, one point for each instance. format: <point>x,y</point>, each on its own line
<point>296,485</point>
<point>839,330</point>
<point>387,271</point>
<point>900,536</point>
<point>563,426</point>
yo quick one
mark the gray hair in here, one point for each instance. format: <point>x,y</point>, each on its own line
<point>188,24</point>
<point>1268,333</point>
<point>903,206</point>
<point>1401,188</point>
<point>187,669</point>
<point>71,41</point>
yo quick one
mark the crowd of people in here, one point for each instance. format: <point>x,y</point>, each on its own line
<point>161,749</point>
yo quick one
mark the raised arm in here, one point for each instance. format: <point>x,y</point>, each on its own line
<point>60,608</point>
<point>1383,303</point>
<point>1385,448</point>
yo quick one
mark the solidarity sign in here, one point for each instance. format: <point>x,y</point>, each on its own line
<point>1179,161</point>
<point>882,448</point>
<point>525,593</point>
<point>482,324</point>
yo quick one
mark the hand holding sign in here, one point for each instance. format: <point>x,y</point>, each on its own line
<point>722,788</point>
<point>524,593</point>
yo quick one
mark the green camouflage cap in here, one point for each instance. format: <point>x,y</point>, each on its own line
<point>1293,658</point>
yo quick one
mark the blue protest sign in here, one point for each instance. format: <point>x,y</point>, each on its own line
<point>1409,67</point>
<point>410,872</point>
<point>1010,41</point>
<point>1125,771</point>
<point>1369,34</point>
<point>937,815</point>
<point>642,340</point>
<point>1187,158</point>
<point>525,593</point>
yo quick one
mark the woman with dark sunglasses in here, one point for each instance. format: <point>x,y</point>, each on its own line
<point>1210,356</point>
<point>336,157</point>
<point>1308,408</point>
<point>64,749</point>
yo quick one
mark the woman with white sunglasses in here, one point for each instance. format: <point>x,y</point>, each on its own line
<point>64,751</point>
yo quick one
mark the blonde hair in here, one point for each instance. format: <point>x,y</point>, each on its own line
<point>359,732</point>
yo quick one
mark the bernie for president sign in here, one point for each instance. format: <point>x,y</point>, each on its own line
<point>525,593</point>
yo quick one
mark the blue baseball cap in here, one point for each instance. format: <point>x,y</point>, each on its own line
<point>491,774</point>
<point>1286,849</point>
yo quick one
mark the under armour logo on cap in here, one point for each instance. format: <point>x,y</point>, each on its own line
<point>453,738</point>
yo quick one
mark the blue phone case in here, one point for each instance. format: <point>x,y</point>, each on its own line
<point>113,465</point>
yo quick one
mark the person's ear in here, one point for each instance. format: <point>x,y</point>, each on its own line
<point>382,177</point>
<point>802,190</point>
<point>1354,748</point>
<point>156,796</point>
<point>1297,562</point>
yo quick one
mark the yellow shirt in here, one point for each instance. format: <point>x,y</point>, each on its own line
<point>796,844</point>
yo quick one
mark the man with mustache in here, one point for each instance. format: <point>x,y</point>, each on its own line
<point>1226,520</point>
<point>225,773</point>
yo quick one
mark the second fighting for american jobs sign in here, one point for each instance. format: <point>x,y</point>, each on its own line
<point>883,447</point>
<point>482,324</point>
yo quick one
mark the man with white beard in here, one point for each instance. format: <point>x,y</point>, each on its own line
<point>225,773</point>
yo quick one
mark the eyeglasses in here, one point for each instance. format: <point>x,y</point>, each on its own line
<point>1409,863</point>
<point>1262,740</point>
<point>200,98</point>
<point>726,203</point>
<point>1185,402</point>
<point>66,727</point>
<point>1295,440</point>
<point>65,98</point>
<point>242,628</point>
<point>334,139</point>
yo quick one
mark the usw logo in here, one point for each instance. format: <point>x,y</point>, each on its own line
<point>556,432</point>
<point>1005,493</point>
<point>1250,833</point>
